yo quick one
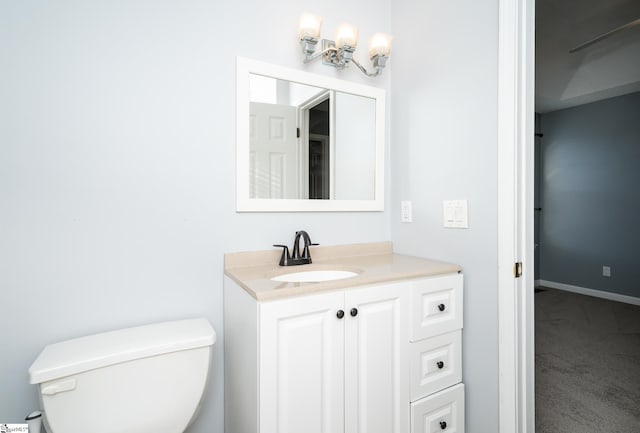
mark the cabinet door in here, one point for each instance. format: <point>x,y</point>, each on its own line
<point>302,365</point>
<point>376,359</point>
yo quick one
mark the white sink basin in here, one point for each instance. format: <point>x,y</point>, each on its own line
<point>314,276</point>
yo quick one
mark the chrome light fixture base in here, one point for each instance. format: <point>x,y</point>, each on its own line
<point>308,45</point>
<point>341,57</point>
<point>336,57</point>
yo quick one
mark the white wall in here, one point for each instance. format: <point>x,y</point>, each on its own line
<point>444,139</point>
<point>117,167</point>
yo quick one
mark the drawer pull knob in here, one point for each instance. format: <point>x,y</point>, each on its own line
<point>354,312</point>
<point>441,307</point>
<point>440,364</point>
<point>340,314</point>
<point>443,425</point>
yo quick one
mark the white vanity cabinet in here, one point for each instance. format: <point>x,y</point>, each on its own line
<point>342,361</point>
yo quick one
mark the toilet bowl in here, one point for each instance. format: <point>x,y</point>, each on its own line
<point>147,379</point>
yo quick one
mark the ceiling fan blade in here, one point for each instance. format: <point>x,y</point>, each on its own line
<point>605,35</point>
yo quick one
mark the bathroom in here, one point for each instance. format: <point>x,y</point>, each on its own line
<point>117,166</point>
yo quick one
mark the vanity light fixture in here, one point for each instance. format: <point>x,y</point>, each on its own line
<point>339,53</point>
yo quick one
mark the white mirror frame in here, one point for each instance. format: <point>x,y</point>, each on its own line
<point>246,204</point>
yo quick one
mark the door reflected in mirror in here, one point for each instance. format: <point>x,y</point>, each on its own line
<point>308,142</point>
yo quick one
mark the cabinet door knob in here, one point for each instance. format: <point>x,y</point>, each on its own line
<point>440,364</point>
<point>354,312</point>
<point>340,314</point>
<point>441,307</point>
<point>443,425</point>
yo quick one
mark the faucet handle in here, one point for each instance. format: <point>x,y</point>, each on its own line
<point>305,253</point>
<point>285,257</point>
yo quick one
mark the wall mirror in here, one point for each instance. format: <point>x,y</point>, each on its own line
<point>307,142</point>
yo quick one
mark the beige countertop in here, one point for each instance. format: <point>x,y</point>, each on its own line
<point>374,263</point>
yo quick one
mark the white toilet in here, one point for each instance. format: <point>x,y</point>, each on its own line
<point>148,379</point>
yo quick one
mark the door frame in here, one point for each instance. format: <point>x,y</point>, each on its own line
<point>303,115</point>
<point>516,81</point>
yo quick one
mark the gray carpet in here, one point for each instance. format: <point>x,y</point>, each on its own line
<point>587,364</point>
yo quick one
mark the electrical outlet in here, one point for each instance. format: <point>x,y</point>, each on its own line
<point>407,213</point>
<point>606,271</point>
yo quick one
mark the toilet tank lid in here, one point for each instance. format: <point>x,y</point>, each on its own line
<point>100,350</point>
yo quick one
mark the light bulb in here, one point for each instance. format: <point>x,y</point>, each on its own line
<point>380,45</point>
<point>346,35</point>
<point>309,25</point>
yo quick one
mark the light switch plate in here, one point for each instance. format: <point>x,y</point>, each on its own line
<point>455,214</point>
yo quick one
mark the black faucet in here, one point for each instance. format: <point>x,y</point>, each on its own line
<point>296,258</point>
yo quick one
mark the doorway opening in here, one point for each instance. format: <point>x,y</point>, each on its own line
<point>585,137</point>
<point>319,151</point>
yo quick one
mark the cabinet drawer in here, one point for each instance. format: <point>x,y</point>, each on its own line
<point>436,306</point>
<point>441,412</point>
<point>435,364</point>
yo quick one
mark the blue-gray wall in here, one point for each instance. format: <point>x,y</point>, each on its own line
<point>590,195</point>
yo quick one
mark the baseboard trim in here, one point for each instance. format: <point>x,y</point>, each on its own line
<point>589,292</point>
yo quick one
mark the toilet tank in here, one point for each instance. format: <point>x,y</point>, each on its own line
<point>147,379</point>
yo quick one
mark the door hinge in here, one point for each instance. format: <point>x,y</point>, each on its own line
<point>298,132</point>
<point>517,269</point>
